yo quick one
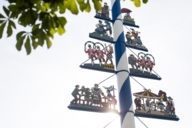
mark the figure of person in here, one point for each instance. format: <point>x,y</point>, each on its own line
<point>149,64</point>
<point>82,95</point>
<point>87,96</point>
<point>100,28</point>
<point>76,95</point>
<point>129,37</point>
<point>134,34</point>
<point>170,108</point>
<point>141,63</point>
<point>137,102</point>
<point>110,97</point>
<point>96,94</point>
<point>148,105</point>
<point>100,55</point>
<point>127,17</point>
<point>162,95</point>
<point>109,54</point>
<point>91,53</point>
<point>105,11</point>
<point>108,27</point>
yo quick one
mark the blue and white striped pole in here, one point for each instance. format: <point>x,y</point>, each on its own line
<point>123,81</point>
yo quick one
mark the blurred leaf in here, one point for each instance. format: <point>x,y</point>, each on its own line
<point>2,16</point>
<point>62,7</point>
<point>15,10</point>
<point>88,7</point>
<point>35,44</point>
<point>7,12</point>
<point>20,38</point>
<point>97,4</point>
<point>60,30</point>
<point>48,42</point>
<point>2,26</point>
<point>28,46</point>
<point>12,24</point>
<point>20,34</point>
<point>72,6</point>
<point>145,1</point>
<point>1,21</point>
<point>9,30</point>
<point>28,18</point>
<point>137,3</point>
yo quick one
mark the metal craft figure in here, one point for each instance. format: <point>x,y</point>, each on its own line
<point>101,31</point>
<point>111,97</point>
<point>127,19</point>
<point>104,55</point>
<point>143,62</point>
<point>93,99</point>
<point>89,48</point>
<point>99,53</point>
<point>104,14</point>
<point>142,65</point>
<point>149,104</point>
<point>134,40</point>
<point>109,54</point>
<point>76,95</point>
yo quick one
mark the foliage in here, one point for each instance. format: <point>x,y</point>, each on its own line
<point>138,2</point>
<point>43,17</point>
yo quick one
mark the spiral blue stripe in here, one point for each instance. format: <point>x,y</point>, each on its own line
<point>120,49</point>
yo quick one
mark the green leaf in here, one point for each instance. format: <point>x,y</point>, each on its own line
<point>15,10</point>
<point>9,30</point>
<point>97,4</point>
<point>48,42</point>
<point>35,44</point>
<point>60,30</point>
<point>145,1</point>
<point>20,38</point>
<point>20,34</point>
<point>137,3</point>
<point>88,7</point>
<point>12,24</point>
<point>28,18</point>
<point>28,45</point>
<point>1,21</point>
<point>7,12</point>
<point>62,7</point>
<point>72,6</point>
<point>2,26</point>
<point>2,16</point>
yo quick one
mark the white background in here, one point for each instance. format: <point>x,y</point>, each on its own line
<point>35,90</point>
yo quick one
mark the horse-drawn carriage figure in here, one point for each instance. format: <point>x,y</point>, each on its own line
<point>151,105</point>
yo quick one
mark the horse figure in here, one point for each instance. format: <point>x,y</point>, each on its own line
<point>133,61</point>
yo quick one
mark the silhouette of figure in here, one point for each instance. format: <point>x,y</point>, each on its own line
<point>76,95</point>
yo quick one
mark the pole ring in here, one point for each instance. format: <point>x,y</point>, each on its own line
<point>116,72</point>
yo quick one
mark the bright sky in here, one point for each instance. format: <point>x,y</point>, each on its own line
<point>35,90</point>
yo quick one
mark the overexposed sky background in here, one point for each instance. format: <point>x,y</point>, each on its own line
<point>35,90</point>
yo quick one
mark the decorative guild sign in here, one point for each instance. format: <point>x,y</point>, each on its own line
<point>93,99</point>
<point>151,105</point>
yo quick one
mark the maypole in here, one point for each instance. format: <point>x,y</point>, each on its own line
<point>100,58</point>
<point>123,81</point>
